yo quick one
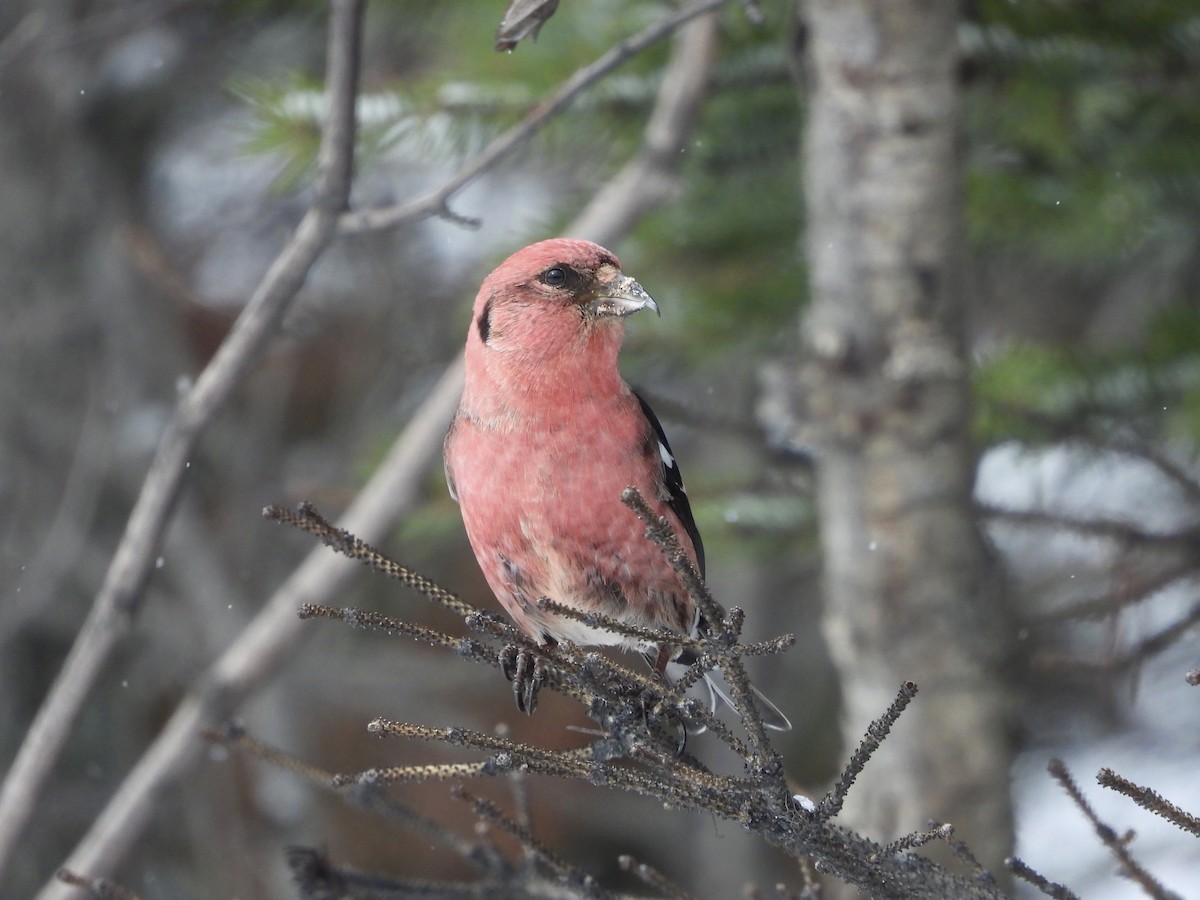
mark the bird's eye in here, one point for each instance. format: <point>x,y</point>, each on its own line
<point>555,276</point>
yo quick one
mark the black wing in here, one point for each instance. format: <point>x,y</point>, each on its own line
<point>677,499</point>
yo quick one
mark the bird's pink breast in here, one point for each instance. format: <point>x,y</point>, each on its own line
<point>541,501</point>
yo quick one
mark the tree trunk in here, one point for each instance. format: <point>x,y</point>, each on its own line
<point>886,384</point>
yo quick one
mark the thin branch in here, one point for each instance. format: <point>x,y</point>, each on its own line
<point>1117,844</point>
<point>366,797</point>
<point>1139,449</point>
<point>308,519</point>
<point>1110,529</point>
<point>487,811</point>
<point>616,626</point>
<point>1116,600</point>
<point>964,855</point>
<point>831,803</point>
<point>117,602</point>
<point>1150,800</point>
<point>1050,888</point>
<point>436,201</point>
<point>317,877</point>
<point>935,832</point>
<point>1143,650</point>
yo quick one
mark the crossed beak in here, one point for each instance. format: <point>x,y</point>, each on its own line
<point>621,297</point>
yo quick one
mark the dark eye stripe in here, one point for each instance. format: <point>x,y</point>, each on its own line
<point>484,322</point>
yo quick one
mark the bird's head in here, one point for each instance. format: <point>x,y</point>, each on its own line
<point>553,298</point>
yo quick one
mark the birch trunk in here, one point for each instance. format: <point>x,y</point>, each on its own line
<point>886,384</point>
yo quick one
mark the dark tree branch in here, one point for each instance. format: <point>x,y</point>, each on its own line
<point>634,752</point>
<point>1151,800</point>
<point>1050,888</point>
<point>831,803</point>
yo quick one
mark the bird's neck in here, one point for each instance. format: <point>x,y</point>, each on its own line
<point>510,386</point>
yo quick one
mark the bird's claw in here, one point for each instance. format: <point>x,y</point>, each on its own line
<point>653,709</point>
<point>527,674</point>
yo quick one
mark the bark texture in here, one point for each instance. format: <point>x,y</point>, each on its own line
<point>886,386</point>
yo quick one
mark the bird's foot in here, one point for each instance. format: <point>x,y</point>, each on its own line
<point>527,674</point>
<point>660,717</point>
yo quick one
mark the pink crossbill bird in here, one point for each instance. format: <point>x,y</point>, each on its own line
<point>546,439</point>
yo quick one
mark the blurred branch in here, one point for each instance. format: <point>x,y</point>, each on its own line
<point>436,202</point>
<point>1132,591</point>
<point>65,541</point>
<point>1118,844</point>
<point>1110,529</point>
<point>1139,653</point>
<point>100,888</point>
<point>276,629</point>
<point>119,597</point>
<point>649,179</point>
<point>267,640</point>
<point>1141,449</point>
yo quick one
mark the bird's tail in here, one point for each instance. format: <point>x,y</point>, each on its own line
<point>717,691</point>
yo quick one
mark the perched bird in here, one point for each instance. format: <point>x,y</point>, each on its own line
<point>546,439</point>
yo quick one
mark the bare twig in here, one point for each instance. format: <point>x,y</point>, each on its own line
<point>436,201</point>
<point>317,877</point>
<point>120,595</point>
<point>1111,529</point>
<point>964,855</point>
<point>1050,888</point>
<point>487,811</point>
<point>831,803</point>
<point>365,797</point>
<point>1151,800</point>
<point>1139,653</point>
<point>937,831</point>
<point>308,519</point>
<point>1143,450</point>
<point>1116,843</point>
<point>1130,594</point>
<point>626,756</point>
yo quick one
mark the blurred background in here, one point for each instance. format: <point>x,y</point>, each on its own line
<point>154,157</point>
